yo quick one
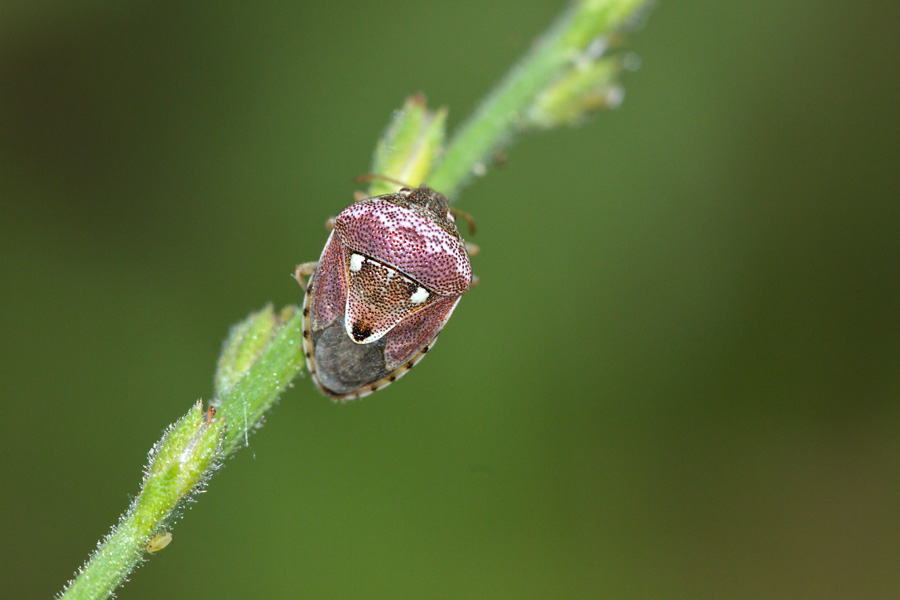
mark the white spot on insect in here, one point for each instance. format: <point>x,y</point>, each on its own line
<point>356,262</point>
<point>419,296</point>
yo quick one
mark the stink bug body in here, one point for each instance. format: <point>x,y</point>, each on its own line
<point>392,271</point>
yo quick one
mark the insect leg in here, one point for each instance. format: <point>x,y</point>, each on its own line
<point>304,270</point>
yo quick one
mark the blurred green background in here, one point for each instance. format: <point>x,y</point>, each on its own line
<point>678,377</point>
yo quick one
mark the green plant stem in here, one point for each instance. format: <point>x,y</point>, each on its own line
<point>260,358</point>
<point>260,384</point>
<point>179,464</point>
<point>113,561</point>
<point>497,119</point>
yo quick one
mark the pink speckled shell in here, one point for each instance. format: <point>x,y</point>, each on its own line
<point>411,334</point>
<point>331,286</point>
<point>407,241</point>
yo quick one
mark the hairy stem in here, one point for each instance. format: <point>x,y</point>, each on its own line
<point>502,113</point>
<point>259,359</point>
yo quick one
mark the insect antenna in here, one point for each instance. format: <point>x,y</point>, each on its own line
<point>470,222</point>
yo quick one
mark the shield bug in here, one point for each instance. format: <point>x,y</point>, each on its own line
<point>392,271</point>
